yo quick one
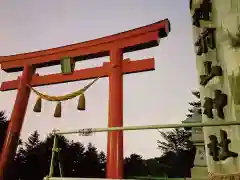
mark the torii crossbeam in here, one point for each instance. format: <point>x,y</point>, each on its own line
<point>113,46</point>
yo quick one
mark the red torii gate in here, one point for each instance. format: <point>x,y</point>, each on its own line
<point>114,46</point>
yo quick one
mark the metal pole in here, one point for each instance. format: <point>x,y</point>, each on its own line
<point>161,126</point>
<point>51,171</point>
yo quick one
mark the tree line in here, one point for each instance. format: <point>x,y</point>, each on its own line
<point>32,160</point>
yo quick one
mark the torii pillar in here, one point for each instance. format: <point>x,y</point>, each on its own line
<point>114,46</point>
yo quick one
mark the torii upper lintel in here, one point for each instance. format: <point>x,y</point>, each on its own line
<point>132,40</point>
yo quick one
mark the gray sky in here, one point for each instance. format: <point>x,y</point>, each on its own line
<point>157,97</point>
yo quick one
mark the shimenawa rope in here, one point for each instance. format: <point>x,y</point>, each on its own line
<point>64,97</point>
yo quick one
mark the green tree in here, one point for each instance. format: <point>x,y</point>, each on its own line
<point>17,167</point>
<point>91,161</point>
<point>178,148</point>
<point>32,158</point>
<point>195,105</point>
<point>3,118</point>
<point>163,165</point>
<point>175,141</point>
<point>134,166</point>
<point>72,160</point>
<point>103,161</point>
<point>33,141</point>
<point>3,128</point>
<point>33,161</point>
